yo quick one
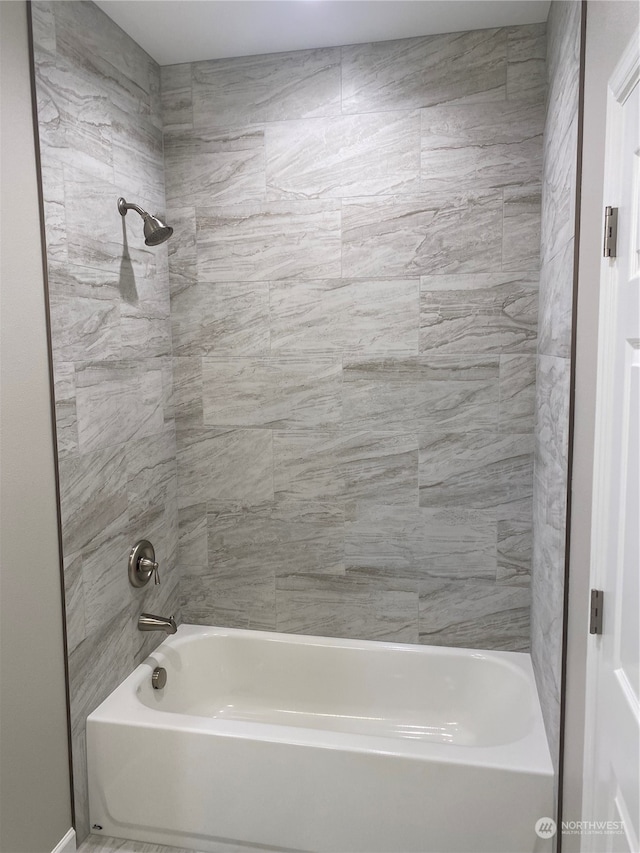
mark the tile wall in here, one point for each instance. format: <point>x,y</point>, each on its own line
<point>354,300</point>
<point>98,99</point>
<point>553,363</point>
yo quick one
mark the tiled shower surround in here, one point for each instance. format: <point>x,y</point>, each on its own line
<point>354,298</point>
<point>100,134</point>
<point>319,405</point>
<point>554,359</point>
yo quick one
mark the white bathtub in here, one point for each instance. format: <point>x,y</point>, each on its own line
<point>315,744</point>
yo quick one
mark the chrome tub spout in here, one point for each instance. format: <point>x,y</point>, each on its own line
<point>149,622</point>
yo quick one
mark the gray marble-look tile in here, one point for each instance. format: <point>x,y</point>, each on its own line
<point>559,192</point>
<point>87,38</point>
<point>481,147</point>
<point>74,601</point>
<point>221,317</point>
<point>112,243</point>
<point>285,537</point>
<point>214,165</point>
<point>355,465</point>
<point>187,392</point>
<point>556,303</point>
<point>212,597</point>
<point>517,393</point>
<point>271,87</point>
<point>325,605</point>
<point>192,537</point>
<point>52,177</point>
<point>521,228</point>
<point>563,69</point>
<point>224,464</point>
<point>85,313</point>
<point>282,392</point>
<point>380,468</point>
<point>420,542</point>
<point>65,407</point>
<point>93,496</point>
<point>43,26</point>
<point>138,159</point>
<point>515,548</point>
<point>439,392</point>
<point>98,665</point>
<point>474,614</point>
<point>341,156</point>
<point>474,469</point>
<point>306,467</point>
<point>260,242</point>
<point>551,465</point>
<point>104,577</point>
<point>354,316</point>
<point>145,329</point>
<point>177,102</point>
<point>74,118</point>
<point>526,62</point>
<point>118,401</point>
<point>151,472</point>
<point>466,68</point>
<point>182,253</point>
<point>495,313</point>
<point>421,235</point>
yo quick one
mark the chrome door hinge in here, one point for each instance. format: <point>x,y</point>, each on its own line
<point>610,231</point>
<point>595,622</point>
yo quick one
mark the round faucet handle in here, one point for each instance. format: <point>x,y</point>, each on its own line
<point>142,564</point>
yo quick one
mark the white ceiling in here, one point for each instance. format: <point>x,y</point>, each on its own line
<point>175,31</point>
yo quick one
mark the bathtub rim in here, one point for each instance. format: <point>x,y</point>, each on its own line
<point>527,754</point>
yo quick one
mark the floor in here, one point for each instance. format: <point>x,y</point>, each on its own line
<point>105,844</point>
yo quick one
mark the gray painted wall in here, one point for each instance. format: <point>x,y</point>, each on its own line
<point>554,358</point>
<point>100,134</point>
<point>33,707</point>
<point>354,283</point>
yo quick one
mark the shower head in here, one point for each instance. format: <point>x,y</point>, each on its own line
<point>155,230</point>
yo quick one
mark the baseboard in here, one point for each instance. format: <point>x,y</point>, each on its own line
<point>67,844</point>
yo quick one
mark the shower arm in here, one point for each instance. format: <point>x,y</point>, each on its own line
<point>124,206</point>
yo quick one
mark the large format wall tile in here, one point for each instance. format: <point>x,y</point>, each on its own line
<point>475,469</point>
<point>271,392</point>
<point>481,147</point>
<point>341,156</point>
<point>551,485</point>
<point>274,87</point>
<point>437,392</point>
<point>214,318</point>
<point>353,285</point>
<point>281,239</point>
<point>214,165</point>
<point>526,62</point>
<point>100,133</point>
<point>224,464</point>
<point>343,315</point>
<point>499,618</point>
<point>421,235</point>
<point>494,313</point>
<point>464,68</point>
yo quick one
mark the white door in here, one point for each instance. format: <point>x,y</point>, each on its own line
<point>612,738</point>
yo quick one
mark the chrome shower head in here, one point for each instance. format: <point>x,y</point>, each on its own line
<point>155,230</point>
